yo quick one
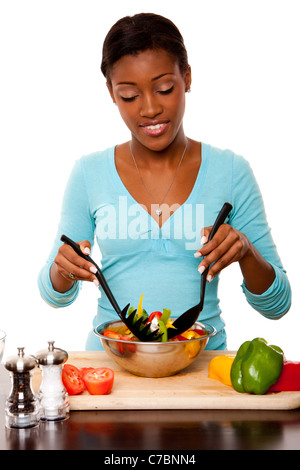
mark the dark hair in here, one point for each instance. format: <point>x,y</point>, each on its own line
<point>134,34</point>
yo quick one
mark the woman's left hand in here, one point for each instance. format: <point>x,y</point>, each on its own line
<point>227,246</point>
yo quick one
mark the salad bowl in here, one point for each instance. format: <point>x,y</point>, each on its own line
<point>153,359</point>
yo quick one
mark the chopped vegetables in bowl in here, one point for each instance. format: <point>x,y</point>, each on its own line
<point>160,321</point>
<point>122,333</point>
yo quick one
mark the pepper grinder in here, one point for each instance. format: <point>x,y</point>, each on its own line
<point>21,408</point>
<point>53,397</point>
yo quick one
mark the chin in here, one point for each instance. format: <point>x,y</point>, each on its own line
<point>156,144</point>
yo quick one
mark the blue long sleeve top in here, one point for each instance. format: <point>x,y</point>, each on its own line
<point>140,257</point>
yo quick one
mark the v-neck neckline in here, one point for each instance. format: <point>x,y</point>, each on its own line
<point>189,200</point>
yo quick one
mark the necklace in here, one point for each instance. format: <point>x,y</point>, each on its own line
<point>158,211</point>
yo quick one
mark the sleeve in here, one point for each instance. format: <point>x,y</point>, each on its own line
<point>77,222</point>
<point>248,216</point>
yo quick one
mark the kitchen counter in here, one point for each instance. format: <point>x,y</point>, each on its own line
<point>155,430</point>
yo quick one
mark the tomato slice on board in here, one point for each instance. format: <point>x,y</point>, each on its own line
<point>84,370</point>
<point>99,381</point>
<point>72,379</point>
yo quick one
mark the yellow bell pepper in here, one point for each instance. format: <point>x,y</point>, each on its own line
<point>190,334</point>
<point>219,368</point>
<point>140,306</point>
<point>170,324</point>
<point>192,348</point>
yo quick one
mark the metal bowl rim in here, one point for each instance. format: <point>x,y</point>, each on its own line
<point>102,327</point>
<point>2,335</point>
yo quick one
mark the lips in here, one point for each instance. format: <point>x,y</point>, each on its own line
<point>155,128</point>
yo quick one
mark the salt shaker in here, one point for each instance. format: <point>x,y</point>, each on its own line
<point>21,407</point>
<point>53,397</point>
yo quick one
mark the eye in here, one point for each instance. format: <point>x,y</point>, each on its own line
<point>166,92</point>
<point>131,98</point>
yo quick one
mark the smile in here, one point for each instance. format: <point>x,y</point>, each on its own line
<point>158,126</point>
<point>155,129</point>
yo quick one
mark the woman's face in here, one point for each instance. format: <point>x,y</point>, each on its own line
<point>149,90</point>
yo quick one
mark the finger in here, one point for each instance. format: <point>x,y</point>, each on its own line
<point>226,253</point>
<point>71,271</point>
<point>70,262</point>
<point>77,260</point>
<point>85,247</point>
<point>221,234</point>
<point>76,277</point>
<point>229,257</point>
<point>205,231</point>
<point>215,249</point>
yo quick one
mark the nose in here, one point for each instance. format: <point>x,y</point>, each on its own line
<point>150,106</point>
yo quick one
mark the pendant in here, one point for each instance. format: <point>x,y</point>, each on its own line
<point>158,212</point>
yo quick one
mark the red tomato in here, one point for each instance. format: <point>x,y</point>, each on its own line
<point>72,379</point>
<point>154,314</point>
<point>99,381</point>
<point>84,370</point>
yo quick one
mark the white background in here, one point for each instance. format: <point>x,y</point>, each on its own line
<point>55,107</point>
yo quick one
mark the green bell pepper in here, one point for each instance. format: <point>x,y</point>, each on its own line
<point>162,323</point>
<point>165,315</point>
<point>256,367</point>
<point>163,330</point>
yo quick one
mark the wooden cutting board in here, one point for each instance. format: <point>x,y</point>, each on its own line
<point>190,389</point>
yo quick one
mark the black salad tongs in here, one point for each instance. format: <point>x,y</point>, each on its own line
<point>136,326</point>
<point>188,318</point>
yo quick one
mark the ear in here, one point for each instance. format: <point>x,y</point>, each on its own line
<point>188,79</point>
<point>108,84</point>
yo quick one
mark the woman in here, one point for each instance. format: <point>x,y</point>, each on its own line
<point>151,202</point>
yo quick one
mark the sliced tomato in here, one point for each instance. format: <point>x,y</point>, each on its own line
<point>84,370</point>
<point>99,381</point>
<point>72,379</point>
<point>154,314</point>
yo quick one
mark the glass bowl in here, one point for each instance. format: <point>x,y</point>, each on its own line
<point>153,359</point>
<point>2,343</point>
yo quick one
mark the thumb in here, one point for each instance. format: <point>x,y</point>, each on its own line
<point>205,231</point>
<point>85,247</point>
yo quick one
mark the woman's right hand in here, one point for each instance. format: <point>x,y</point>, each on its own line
<point>69,267</point>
